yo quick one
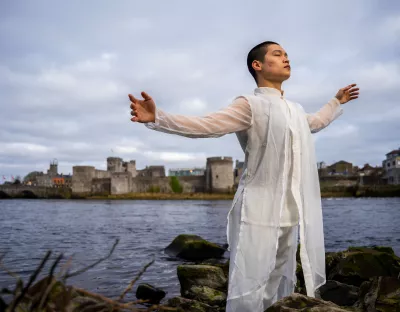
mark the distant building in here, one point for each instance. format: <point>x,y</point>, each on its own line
<point>391,167</point>
<point>152,171</point>
<point>342,167</point>
<point>186,172</point>
<point>118,178</point>
<point>50,179</point>
<point>366,170</point>
<point>62,180</point>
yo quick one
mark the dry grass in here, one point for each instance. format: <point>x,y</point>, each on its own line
<point>167,196</point>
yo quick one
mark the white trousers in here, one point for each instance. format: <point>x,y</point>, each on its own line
<point>282,279</point>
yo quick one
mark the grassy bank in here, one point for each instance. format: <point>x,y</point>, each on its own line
<point>326,192</point>
<point>352,191</point>
<point>164,196</point>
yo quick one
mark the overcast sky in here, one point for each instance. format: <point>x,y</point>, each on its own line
<point>66,68</point>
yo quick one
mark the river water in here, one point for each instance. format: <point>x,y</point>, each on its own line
<point>86,230</point>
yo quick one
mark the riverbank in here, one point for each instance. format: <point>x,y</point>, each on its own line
<point>354,191</point>
<point>326,192</point>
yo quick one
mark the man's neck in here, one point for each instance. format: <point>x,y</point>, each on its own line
<point>270,84</point>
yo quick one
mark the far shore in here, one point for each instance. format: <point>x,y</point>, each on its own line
<point>326,192</point>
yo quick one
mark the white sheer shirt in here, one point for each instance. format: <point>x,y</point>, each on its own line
<point>235,118</point>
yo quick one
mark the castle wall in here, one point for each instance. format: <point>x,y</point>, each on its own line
<point>101,186</point>
<point>193,184</point>
<point>82,177</point>
<point>145,184</point>
<point>44,180</point>
<point>121,183</point>
<point>101,174</point>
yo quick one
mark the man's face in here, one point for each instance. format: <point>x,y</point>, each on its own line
<point>276,64</point>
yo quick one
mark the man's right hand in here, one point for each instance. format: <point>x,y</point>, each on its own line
<point>143,110</point>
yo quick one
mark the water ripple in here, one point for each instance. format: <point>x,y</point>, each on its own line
<point>86,230</point>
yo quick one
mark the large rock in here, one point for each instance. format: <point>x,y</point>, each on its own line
<point>201,275</point>
<point>223,264</point>
<point>207,295</point>
<point>150,293</point>
<point>299,302</point>
<point>359,264</point>
<point>204,283</point>
<point>380,294</point>
<point>193,247</point>
<point>187,305</point>
<point>341,294</point>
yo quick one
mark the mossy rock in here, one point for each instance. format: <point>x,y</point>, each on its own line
<point>206,295</point>
<point>299,302</point>
<point>201,275</point>
<point>193,247</point>
<point>224,265</point>
<point>359,264</point>
<point>148,292</point>
<point>380,294</point>
<point>188,305</point>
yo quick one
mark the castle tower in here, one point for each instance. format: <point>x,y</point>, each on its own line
<point>53,170</point>
<point>131,167</point>
<point>219,174</point>
<point>115,164</point>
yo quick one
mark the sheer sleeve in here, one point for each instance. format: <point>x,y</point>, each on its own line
<point>328,113</point>
<point>235,117</point>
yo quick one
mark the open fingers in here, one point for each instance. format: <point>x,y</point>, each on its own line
<point>135,115</point>
<point>349,87</point>
<point>146,96</point>
<point>133,99</point>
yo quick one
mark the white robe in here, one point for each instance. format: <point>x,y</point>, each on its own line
<point>266,180</point>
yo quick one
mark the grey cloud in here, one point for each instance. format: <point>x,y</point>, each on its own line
<point>66,69</point>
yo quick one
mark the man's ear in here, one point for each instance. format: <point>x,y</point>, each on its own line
<point>256,65</point>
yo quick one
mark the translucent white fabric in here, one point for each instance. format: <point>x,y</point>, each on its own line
<point>235,118</point>
<point>282,280</point>
<point>275,136</point>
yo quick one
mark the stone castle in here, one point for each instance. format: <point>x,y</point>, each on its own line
<point>122,177</point>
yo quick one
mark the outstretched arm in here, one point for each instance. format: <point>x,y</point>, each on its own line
<point>235,117</point>
<point>332,110</point>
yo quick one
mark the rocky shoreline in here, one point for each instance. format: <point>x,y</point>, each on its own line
<point>358,279</point>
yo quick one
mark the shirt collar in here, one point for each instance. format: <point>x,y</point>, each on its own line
<point>268,91</point>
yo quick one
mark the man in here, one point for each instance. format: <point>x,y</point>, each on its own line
<point>278,192</point>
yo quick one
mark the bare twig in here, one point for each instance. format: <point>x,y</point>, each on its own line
<point>105,299</point>
<point>64,270</point>
<point>160,308</point>
<point>49,285</point>
<point>135,279</point>
<point>93,264</point>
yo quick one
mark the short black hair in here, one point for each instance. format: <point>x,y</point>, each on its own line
<point>257,54</point>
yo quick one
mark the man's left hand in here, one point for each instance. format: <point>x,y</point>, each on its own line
<point>348,93</point>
